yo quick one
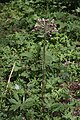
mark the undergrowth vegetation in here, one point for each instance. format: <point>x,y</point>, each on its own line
<point>37,82</point>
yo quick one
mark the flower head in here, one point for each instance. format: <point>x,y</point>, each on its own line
<point>45,25</point>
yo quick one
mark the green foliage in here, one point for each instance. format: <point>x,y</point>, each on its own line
<point>21,99</point>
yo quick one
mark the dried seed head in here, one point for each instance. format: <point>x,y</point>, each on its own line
<point>54,25</point>
<point>36,25</point>
<point>50,25</point>
<point>46,20</point>
<point>38,20</point>
<point>43,20</point>
<point>52,21</point>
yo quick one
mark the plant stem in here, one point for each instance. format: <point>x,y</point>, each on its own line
<point>44,69</point>
<point>10,75</point>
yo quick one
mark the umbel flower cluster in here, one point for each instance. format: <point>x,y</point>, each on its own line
<point>45,26</point>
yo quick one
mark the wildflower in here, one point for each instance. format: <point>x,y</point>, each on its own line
<point>45,26</point>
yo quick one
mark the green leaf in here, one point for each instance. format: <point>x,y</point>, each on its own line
<point>26,54</point>
<point>13,101</point>
<point>16,96</point>
<point>25,74</point>
<point>14,107</point>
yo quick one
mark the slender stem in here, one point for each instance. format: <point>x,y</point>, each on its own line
<point>44,69</point>
<point>10,75</point>
<point>44,60</point>
<point>44,64</point>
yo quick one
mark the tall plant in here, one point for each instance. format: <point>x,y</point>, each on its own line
<point>46,27</point>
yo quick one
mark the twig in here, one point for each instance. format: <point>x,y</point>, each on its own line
<point>10,75</point>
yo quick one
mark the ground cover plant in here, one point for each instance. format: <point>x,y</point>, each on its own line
<point>39,60</point>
